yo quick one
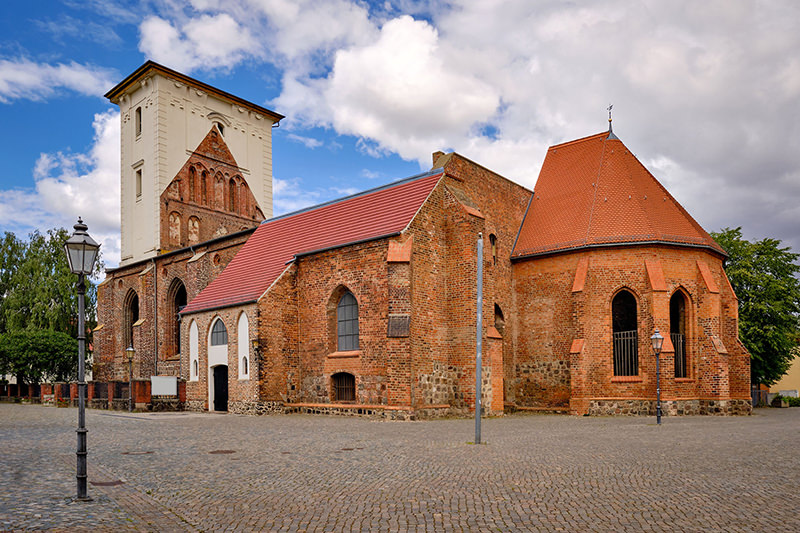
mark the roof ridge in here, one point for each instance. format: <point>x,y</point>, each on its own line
<point>576,141</point>
<point>385,186</point>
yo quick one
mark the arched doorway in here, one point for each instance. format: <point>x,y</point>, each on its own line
<point>218,367</point>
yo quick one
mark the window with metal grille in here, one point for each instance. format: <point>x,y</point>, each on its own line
<point>219,335</point>
<point>344,387</point>
<point>677,332</point>
<point>625,334</point>
<point>347,322</point>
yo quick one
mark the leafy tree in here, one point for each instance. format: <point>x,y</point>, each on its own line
<point>764,277</point>
<point>35,356</point>
<point>11,249</point>
<point>41,290</point>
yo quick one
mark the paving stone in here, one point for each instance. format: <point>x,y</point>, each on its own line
<point>157,472</point>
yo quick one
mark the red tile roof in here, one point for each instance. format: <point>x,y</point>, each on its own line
<point>593,191</point>
<point>365,216</point>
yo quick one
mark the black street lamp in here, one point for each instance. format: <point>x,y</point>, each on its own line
<point>131,352</point>
<point>81,255</point>
<point>658,341</point>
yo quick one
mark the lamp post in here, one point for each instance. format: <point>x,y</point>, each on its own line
<point>81,252</point>
<point>130,352</point>
<point>657,341</point>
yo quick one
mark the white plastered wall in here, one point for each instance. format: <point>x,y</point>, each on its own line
<point>243,344</point>
<point>176,117</point>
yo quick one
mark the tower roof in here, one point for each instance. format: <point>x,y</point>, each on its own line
<point>151,67</point>
<point>372,214</point>
<point>595,192</point>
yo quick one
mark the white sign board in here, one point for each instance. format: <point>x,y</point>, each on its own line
<point>163,385</point>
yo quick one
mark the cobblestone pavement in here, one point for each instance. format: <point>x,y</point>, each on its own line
<point>210,472</point>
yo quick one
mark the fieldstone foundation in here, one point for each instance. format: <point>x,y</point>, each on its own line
<point>669,408</point>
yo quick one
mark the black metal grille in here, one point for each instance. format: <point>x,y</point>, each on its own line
<point>626,353</point>
<point>679,342</point>
<point>344,387</point>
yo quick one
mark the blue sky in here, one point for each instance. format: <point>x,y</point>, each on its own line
<point>705,94</point>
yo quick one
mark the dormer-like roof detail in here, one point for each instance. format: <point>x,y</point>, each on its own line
<point>594,192</point>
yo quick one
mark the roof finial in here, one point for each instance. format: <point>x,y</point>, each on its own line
<point>611,135</point>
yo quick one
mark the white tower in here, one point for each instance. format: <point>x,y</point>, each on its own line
<point>165,115</point>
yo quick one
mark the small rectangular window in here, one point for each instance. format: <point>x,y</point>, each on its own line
<point>138,121</point>
<point>139,183</point>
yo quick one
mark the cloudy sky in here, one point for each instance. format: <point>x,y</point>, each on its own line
<point>706,94</point>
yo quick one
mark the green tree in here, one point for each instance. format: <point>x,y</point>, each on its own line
<point>764,277</point>
<point>36,356</point>
<point>41,291</point>
<point>11,249</point>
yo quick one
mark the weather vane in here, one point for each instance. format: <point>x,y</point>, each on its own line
<point>610,107</point>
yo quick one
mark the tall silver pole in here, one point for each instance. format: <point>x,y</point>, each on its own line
<point>81,453</point>
<point>658,389</point>
<point>479,340</point>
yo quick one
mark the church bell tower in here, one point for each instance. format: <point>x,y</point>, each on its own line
<point>165,116</point>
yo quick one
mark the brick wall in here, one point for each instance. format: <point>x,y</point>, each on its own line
<point>151,281</point>
<point>553,315</point>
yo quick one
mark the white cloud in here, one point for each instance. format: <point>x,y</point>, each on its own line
<point>711,87</point>
<point>71,185</point>
<point>207,41</point>
<point>309,142</point>
<point>25,79</point>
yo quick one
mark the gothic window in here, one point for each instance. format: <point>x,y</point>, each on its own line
<point>176,301</point>
<point>625,334</point>
<point>204,187</point>
<point>347,322</point>
<point>219,335</point>
<point>343,387</point>
<point>175,228</point>
<point>194,345</point>
<point>243,341</point>
<point>192,184</point>
<point>131,316</point>
<point>493,244</point>
<point>232,195</point>
<point>194,230</point>
<point>499,320</point>
<point>677,332</point>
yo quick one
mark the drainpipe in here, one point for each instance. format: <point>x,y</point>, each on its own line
<point>155,317</point>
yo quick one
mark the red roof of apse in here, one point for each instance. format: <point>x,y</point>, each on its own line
<point>594,192</point>
<point>365,216</point>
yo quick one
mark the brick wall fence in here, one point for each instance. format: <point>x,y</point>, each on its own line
<point>100,395</point>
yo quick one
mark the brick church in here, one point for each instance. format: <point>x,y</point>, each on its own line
<point>367,304</point>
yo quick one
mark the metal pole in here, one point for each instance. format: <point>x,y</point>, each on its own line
<point>479,339</point>
<point>81,453</point>
<point>130,383</point>
<point>658,389</point>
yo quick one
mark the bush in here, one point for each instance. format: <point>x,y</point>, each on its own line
<point>793,402</point>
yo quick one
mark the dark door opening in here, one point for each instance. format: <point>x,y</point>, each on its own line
<point>221,388</point>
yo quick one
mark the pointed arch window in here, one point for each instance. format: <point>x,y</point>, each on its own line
<point>176,301</point>
<point>625,334</point>
<point>131,317</point>
<point>219,334</point>
<point>347,322</point>
<point>232,195</point>
<point>677,332</point>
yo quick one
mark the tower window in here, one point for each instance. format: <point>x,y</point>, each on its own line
<point>138,120</point>
<point>139,183</point>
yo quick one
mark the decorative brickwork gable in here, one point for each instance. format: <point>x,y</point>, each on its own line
<point>208,198</point>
